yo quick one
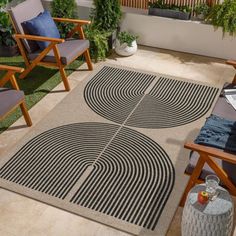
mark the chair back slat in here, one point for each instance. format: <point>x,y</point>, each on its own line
<point>23,12</point>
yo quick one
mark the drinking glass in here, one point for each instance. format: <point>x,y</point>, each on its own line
<point>212,183</point>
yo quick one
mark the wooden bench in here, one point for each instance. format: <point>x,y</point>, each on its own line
<point>208,160</point>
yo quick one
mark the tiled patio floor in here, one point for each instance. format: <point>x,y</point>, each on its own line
<point>22,216</point>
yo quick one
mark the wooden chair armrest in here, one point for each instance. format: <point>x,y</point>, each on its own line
<point>74,21</point>
<point>10,75</point>
<point>11,68</point>
<point>213,152</point>
<point>231,62</point>
<point>38,38</point>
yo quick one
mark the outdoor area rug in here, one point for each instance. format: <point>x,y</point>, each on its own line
<point>112,150</point>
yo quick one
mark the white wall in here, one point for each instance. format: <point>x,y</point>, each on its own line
<point>179,35</point>
<point>84,7</point>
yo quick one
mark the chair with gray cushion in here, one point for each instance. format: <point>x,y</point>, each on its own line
<point>10,99</point>
<point>59,53</point>
<point>205,160</point>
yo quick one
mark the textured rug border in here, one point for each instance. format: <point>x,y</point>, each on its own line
<point>81,211</point>
<point>151,73</point>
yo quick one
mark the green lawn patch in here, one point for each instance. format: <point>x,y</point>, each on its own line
<point>35,86</point>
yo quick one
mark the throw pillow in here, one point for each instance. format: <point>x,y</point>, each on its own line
<point>42,25</point>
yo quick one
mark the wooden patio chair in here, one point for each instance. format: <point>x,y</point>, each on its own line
<point>10,99</point>
<point>206,160</point>
<point>59,53</point>
<point>232,63</point>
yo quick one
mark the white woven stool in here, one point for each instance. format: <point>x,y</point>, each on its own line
<point>212,219</point>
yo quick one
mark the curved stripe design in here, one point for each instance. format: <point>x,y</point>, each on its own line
<point>113,93</point>
<point>132,180</point>
<point>172,103</point>
<point>119,94</point>
<point>53,161</point>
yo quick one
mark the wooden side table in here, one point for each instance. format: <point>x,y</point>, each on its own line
<point>212,219</point>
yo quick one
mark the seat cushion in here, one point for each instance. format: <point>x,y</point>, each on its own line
<point>9,99</point>
<point>42,25</point>
<point>69,50</point>
<point>22,12</point>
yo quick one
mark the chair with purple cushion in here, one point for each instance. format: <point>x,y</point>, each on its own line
<point>10,99</point>
<point>39,40</point>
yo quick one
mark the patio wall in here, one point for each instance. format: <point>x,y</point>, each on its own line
<point>83,9</point>
<point>185,36</point>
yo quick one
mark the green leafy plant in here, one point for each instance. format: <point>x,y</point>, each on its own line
<point>64,9</point>
<point>6,28</point>
<point>105,18</point>
<point>202,8</point>
<point>162,5</point>
<point>224,15</point>
<point>126,37</point>
<point>98,42</point>
<point>158,4</point>
<point>107,14</point>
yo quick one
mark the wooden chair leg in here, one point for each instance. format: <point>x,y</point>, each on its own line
<point>38,59</point>
<point>222,175</point>
<point>64,78</point>
<point>25,114</point>
<point>88,59</point>
<point>6,78</point>
<point>193,178</point>
<point>61,68</point>
<point>14,83</point>
<point>26,71</point>
<point>234,80</point>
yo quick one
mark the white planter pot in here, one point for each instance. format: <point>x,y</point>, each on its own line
<point>124,49</point>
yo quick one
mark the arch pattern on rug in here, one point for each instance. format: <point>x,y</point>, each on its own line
<point>131,176</point>
<point>53,161</point>
<point>132,180</point>
<point>113,93</point>
<point>131,98</point>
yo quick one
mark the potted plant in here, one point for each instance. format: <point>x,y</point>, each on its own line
<point>64,9</point>
<point>98,42</point>
<point>224,15</point>
<point>201,10</point>
<point>8,45</point>
<point>106,16</point>
<point>126,44</point>
<point>160,8</point>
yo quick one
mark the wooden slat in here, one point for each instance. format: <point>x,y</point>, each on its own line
<point>74,21</point>
<point>143,4</point>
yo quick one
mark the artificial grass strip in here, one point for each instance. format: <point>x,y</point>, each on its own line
<point>35,86</point>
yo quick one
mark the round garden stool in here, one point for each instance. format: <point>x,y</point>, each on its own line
<point>215,218</point>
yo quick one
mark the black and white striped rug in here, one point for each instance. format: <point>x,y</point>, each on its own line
<point>145,100</point>
<point>111,172</point>
<point>104,167</point>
